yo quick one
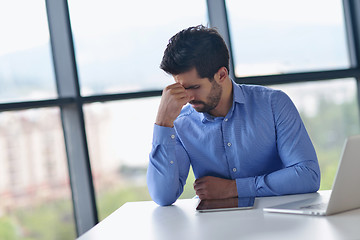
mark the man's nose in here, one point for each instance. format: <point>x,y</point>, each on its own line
<point>191,96</point>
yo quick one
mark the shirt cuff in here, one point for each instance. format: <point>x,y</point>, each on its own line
<point>164,135</point>
<point>246,187</point>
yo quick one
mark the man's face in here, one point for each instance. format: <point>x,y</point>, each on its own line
<point>204,95</point>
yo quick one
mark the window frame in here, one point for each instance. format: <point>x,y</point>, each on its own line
<point>71,102</point>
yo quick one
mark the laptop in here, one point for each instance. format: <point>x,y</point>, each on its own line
<point>345,194</point>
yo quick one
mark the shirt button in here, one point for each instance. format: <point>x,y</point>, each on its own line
<point>226,119</point>
<point>172,136</point>
<point>172,162</point>
<point>229,144</point>
<point>234,169</point>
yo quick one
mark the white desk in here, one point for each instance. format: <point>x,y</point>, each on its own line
<point>147,220</point>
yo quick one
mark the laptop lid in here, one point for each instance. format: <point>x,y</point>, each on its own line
<point>345,191</point>
<point>345,194</point>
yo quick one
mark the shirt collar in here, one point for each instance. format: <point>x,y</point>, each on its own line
<point>238,97</point>
<point>238,94</point>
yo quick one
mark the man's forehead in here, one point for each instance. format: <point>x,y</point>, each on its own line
<point>188,78</point>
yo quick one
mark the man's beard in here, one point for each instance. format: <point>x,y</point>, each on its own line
<point>213,99</point>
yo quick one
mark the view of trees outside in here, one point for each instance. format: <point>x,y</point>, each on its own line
<point>120,53</point>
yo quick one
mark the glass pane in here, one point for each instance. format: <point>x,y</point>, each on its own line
<point>26,71</point>
<point>330,113</point>
<point>119,44</point>
<point>281,36</point>
<point>34,182</point>
<point>119,137</point>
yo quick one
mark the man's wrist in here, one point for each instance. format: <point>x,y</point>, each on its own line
<point>234,192</point>
<point>164,124</point>
<point>163,121</point>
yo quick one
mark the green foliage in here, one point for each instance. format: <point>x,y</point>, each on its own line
<point>53,220</point>
<point>332,124</point>
<point>327,176</point>
<point>7,229</point>
<point>328,130</point>
<point>189,191</point>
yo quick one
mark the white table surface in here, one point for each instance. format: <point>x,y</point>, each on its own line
<point>147,220</point>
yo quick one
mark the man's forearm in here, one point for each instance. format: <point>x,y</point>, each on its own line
<point>300,178</point>
<point>168,167</point>
<point>163,184</point>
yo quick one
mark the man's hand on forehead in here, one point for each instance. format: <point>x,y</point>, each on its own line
<point>174,97</point>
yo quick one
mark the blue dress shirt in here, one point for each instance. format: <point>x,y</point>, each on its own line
<point>261,143</point>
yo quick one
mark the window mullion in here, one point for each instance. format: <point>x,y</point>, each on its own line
<point>72,115</point>
<point>218,19</point>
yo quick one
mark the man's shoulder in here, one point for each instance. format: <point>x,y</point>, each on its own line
<point>258,91</point>
<point>247,88</point>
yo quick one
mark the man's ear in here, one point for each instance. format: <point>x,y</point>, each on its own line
<point>222,74</point>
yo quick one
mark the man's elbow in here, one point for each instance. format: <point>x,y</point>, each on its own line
<point>163,202</point>
<point>162,198</point>
<point>161,194</point>
<point>308,179</point>
<point>314,177</point>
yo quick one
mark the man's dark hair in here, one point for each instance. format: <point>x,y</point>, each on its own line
<point>199,47</point>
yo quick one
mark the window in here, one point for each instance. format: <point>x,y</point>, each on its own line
<point>34,182</point>
<point>120,49</point>
<point>301,37</point>
<point>26,71</point>
<point>119,137</point>
<point>32,156</point>
<point>279,36</point>
<point>116,57</point>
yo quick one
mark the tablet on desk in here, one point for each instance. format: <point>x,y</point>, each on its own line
<point>228,204</point>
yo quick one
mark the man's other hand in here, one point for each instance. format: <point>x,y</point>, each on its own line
<point>215,188</point>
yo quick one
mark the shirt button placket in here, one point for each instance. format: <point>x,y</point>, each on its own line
<point>234,170</point>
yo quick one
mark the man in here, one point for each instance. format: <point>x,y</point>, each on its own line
<point>241,140</point>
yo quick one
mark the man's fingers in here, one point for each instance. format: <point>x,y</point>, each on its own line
<point>175,91</point>
<point>175,87</point>
<point>202,194</point>
<point>178,92</point>
<point>215,188</point>
<point>199,187</point>
<point>202,180</point>
<point>199,184</point>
